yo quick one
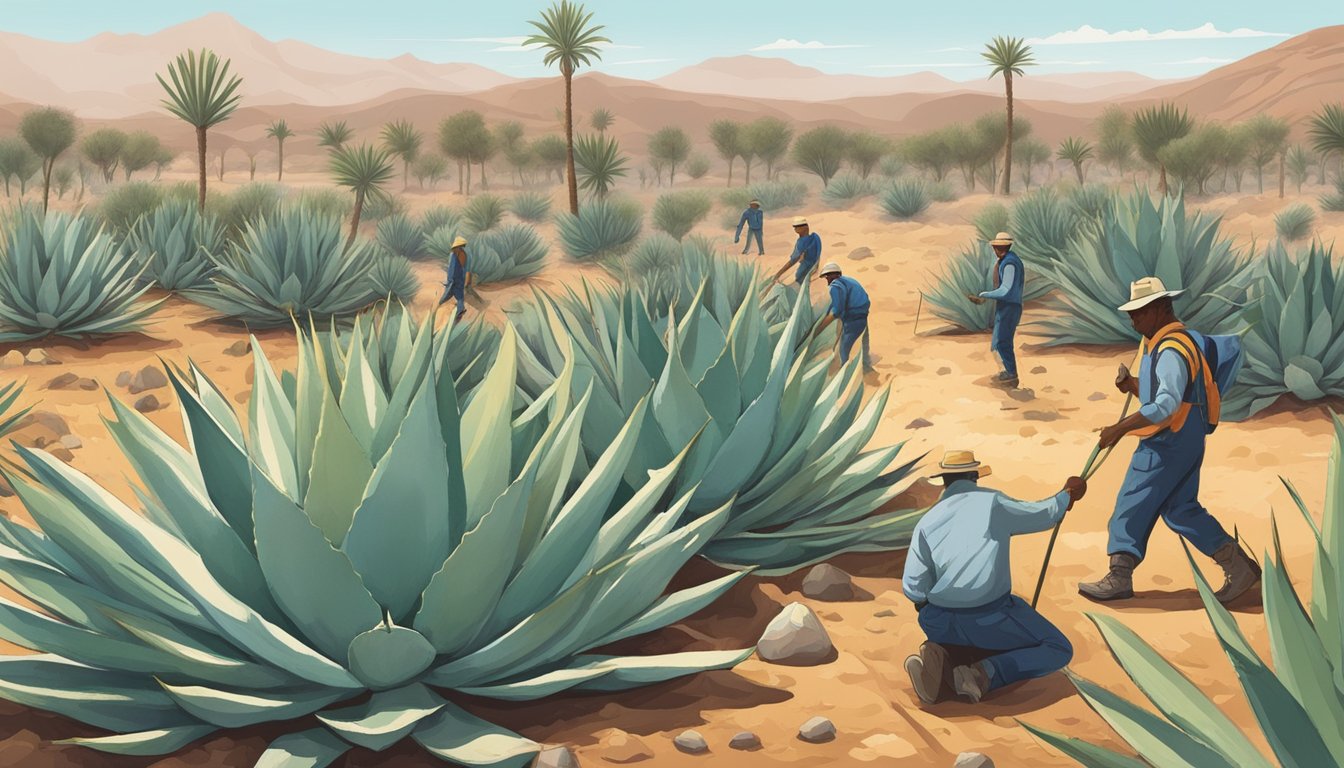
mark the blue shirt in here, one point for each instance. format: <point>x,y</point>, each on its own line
<point>1011,278</point>
<point>848,299</point>
<point>807,250</point>
<point>958,555</point>
<point>457,273</point>
<point>753,218</point>
<point>1158,404</point>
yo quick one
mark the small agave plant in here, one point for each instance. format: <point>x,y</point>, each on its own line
<point>365,550</point>
<point>173,245</point>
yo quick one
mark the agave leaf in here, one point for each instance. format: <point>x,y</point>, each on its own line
<point>271,422</point>
<point>540,686</point>
<point>385,719</point>
<point>485,430</point>
<point>118,701</point>
<point>388,656</point>
<point>205,656</point>
<point>233,709</point>
<point>216,441</point>
<point>161,741</point>
<point>456,735</point>
<point>635,671</point>
<point>340,472</point>
<point>1156,740</point>
<point>313,748</point>
<point>1087,755</point>
<point>783,552</point>
<point>677,606</point>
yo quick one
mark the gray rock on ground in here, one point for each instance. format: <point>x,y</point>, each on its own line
<point>556,757</point>
<point>973,760</point>
<point>71,442</point>
<point>147,403</point>
<point>746,740</point>
<point>826,582</point>
<point>860,253</point>
<point>691,742</point>
<point>147,378</point>
<point>817,730</point>
<point>124,379</point>
<point>795,637</point>
<point>52,422</point>
<point>1097,396</point>
<point>239,348</point>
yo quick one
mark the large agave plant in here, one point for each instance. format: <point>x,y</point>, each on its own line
<point>173,244</point>
<point>1138,237</point>
<point>392,276</point>
<point>1295,346</point>
<point>362,547</point>
<point>62,275</point>
<point>846,189</point>
<point>970,272</point>
<point>508,253</point>
<point>293,264</point>
<point>398,235</point>
<point>1298,702</point>
<point>1043,225</point>
<point>602,229</point>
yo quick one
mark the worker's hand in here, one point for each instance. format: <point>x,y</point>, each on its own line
<point>975,299</point>
<point>1125,382</point>
<point>1111,435</point>
<point>1076,487</point>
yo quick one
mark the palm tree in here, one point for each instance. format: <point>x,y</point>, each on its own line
<point>403,141</point>
<point>564,32</point>
<point>1155,128</point>
<point>280,131</point>
<point>364,169</point>
<point>602,119</point>
<point>1327,132</point>
<point>1077,151</point>
<point>204,95</point>
<point>601,163</point>
<point>1007,56</point>
<point>333,135</point>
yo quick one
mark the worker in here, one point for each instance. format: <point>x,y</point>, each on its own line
<point>806,252</point>
<point>459,276</point>
<point>1009,277</point>
<point>754,220</point>
<point>849,305</point>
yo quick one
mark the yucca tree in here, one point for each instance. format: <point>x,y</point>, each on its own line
<point>602,119</point>
<point>401,139</point>
<point>49,132</point>
<point>364,169</point>
<point>279,130</point>
<point>600,163</point>
<point>1008,56</point>
<point>1076,151</point>
<point>1154,128</point>
<point>334,135</point>
<point>203,94</point>
<point>1327,129</point>
<point>569,38</point>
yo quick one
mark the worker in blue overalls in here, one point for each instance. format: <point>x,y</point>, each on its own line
<point>1009,277</point>
<point>806,252</point>
<point>753,218</point>
<point>849,305</point>
<point>459,277</point>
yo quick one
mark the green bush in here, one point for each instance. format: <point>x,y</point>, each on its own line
<point>510,252</point>
<point>677,213</point>
<point>970,272</point>
<point>379,206</point>
<point>531,207</point>
<point>905,198</point>
<point>248,206</point>
<point>603,229</point>
<point>1043,225</point>
<point>438,217</point>
<point>125,204</point>
<point>1091,200</point>
<point>653,255</point>
<point>1295,222</point>
<point>392,276</point>
<point>323,201</point>
<point>398,235</point>
<point>172,246</point>
<point>845,190</point>
<point>778,195</point>
<point>483,213</point>
<point>1334,202</point>
<point>891,166</point>
<point>942,191</point>
<point>990,221</point>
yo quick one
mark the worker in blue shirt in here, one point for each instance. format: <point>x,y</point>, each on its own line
<point>849,305</point>
<point>806,252</point>
<point>459,276</point>
<point>1179,402</point>
<point>1009,277</point>
<point>980,636</point>
<point>754,220</point>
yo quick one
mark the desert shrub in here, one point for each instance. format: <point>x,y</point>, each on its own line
<point>332,557</point>
<point>509,252</point>
<point>1295,222</point>
<point>391,276</point>
<point>603,228</point>
<point>891,166</point>
<point>247,207</point>
<point>172,246</point>
<point>63,275</point>
<point>653,255</point>
<point>1138,237</point>
<point>677,213</point>
<point>905,198</point>
<point>531,207</point>
<point>697,166</point>
<point>292,265</point>
<point>1090,200</point>
<point>942,191</point>
<point>323,201</point>
<point>777,195</point>
<point>125,204</point>
<point>483,213</point>
<point>380,206</point>
<point>398,235</point>
<point>438,217</point>
<point>990,221</point>
<point>845,190</point>
<point>1334,202</point>
<point>1043,225</point>
<point>971,271</point>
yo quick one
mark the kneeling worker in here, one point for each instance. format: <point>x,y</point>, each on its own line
<point>957,573</point>
<point>850,305</point>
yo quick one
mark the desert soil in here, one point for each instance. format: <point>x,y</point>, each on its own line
<point>1033,439</point>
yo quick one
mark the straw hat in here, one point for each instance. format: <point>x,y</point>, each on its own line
<point>800,221</point>
<point>754,202</point>
<point>957,462</point>
<point>1003,238</point>
<point>459,241</point>
<point>1145,291</point>
<point>831,267</point>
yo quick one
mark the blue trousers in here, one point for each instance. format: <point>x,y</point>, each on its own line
<point>1006,318</point>
<point>852,330</point>
<point>803,269</point>
<point>1163,482</point>
<point>456,291</point>
<point>760,244</point>
<point>1021,643</point>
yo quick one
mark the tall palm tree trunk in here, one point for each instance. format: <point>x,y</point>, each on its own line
<point>280,173</point>
<point>1078,167</point>
<point>406,173</point>
<point>46,182</point>
<point>1008,150</point>
<point>200,157</point>
<point>1281,172</point>
<point>1162,180</point>
<point>354,218</point>
<point>571,175</point>
<point>730,170</point>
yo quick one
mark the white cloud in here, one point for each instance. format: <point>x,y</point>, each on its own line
<point>953,49</point>
<point>783,44</point>
<point>1089,35</point>
<point>1201,60</point>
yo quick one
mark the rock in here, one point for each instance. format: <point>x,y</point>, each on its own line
<point>12,359</point>
<point>556,757</point>
<point>147,403</point>
<point>691,742</point>
<point>944,371</point>
<point>61,452</point>
<point>1038,369</point>
<point>1042,416</point>
<point>885,613</point>
<point>882,268</point>
<point>826,582</point>
<point>39,356</point>
<point>64,381</point>
<point>71,441</point>
<point>1022,395</point>
<point>1097,396</point>
<point>746,740</point>
<point>124,379</point>
<point>795,637</point>
<point>973,760</point>
<point>622,748</point>
<point>47,420</point>
<point>919,424</point>
<point>88,385</point>
<point>239,348</point>
<point>861,253</point>
<point>817,730</point>
<point>147,378</point>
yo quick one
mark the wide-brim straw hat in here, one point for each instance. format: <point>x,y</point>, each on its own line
<point>754,202</point>
<point>459,241</point>
<point>800,221</point>
<point>830,268</point>
<point>960,462</point>
<point>1145,291</point>
<point>1002,238</point>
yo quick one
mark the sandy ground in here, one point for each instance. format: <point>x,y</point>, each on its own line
<point>1033,444</point>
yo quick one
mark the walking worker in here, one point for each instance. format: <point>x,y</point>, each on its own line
<point>1181,375</point>
<point>754,219</point>
<point>806,252</point>
<point>981,637</point>
<point>1009,277</point>
<point>849,305</point>
<point>459,277</point>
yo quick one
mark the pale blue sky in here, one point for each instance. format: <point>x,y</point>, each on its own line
<point>1160,38</point>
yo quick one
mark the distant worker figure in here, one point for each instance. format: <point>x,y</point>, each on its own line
<point>1180,375</point>
<point>459,277</point>
<point>806,252</point>
<point>754,219</point>
<point>849,305</point>
<point>981,637</point>
<point>1009,277</point>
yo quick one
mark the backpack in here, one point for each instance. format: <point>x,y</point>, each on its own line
<point>1214,363</point>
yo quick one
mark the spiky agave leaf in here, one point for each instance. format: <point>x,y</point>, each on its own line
<point>1295,222</point>
<point>507,253</point>
<point>905,198</point>
<point>62,275</point>
<point>9,395</point>
<point>846,189</point>
<point>602,229</point>
<point>173,246</point>
<point>392,276</point>
<point>365,532</point>
<point>531,207</point>
<point>400,236</point>
<point>1043,225</point>
<point>970,272</point>
<point>483,213</point>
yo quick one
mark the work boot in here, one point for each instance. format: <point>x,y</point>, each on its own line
<point>1240,572</point>
<point>928,672</point>
<point>1116,585</point>
<point>971,681</point>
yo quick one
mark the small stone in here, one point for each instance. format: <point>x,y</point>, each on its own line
<point>621,747</point>
<point>147,403</point>
<point>944,371</point>
<point>71,441</point>
<point>556,757</point>
<point>746,740</point>
<point>12,359</point>
<point>124,379</point>
<point>147,378</point>
<point>64,381</point>
<point>885,613</point>
<point>239,348</point>
<point>1038,369</point>
<point>826,582</point>
<point>1097,396</point>
<point>795,637</point>
<point>973,760</point>
<point>61,452</point>
<point>1022,395</point>
<point>919,424</point>
<point>88,385</point>
<point>1027,432</point>
<point>40,357</point>
<point>882,268</point>
<point>817,730</point>
<point>46,419</point>
<point>691,742</point>
<point>861,253</point>
<point>1042,416</point>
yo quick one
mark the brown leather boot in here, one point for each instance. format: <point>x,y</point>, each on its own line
<point>928,671</point>
<point>1239,570</point>
<point>1116,585</point>
<point>971,682</point>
